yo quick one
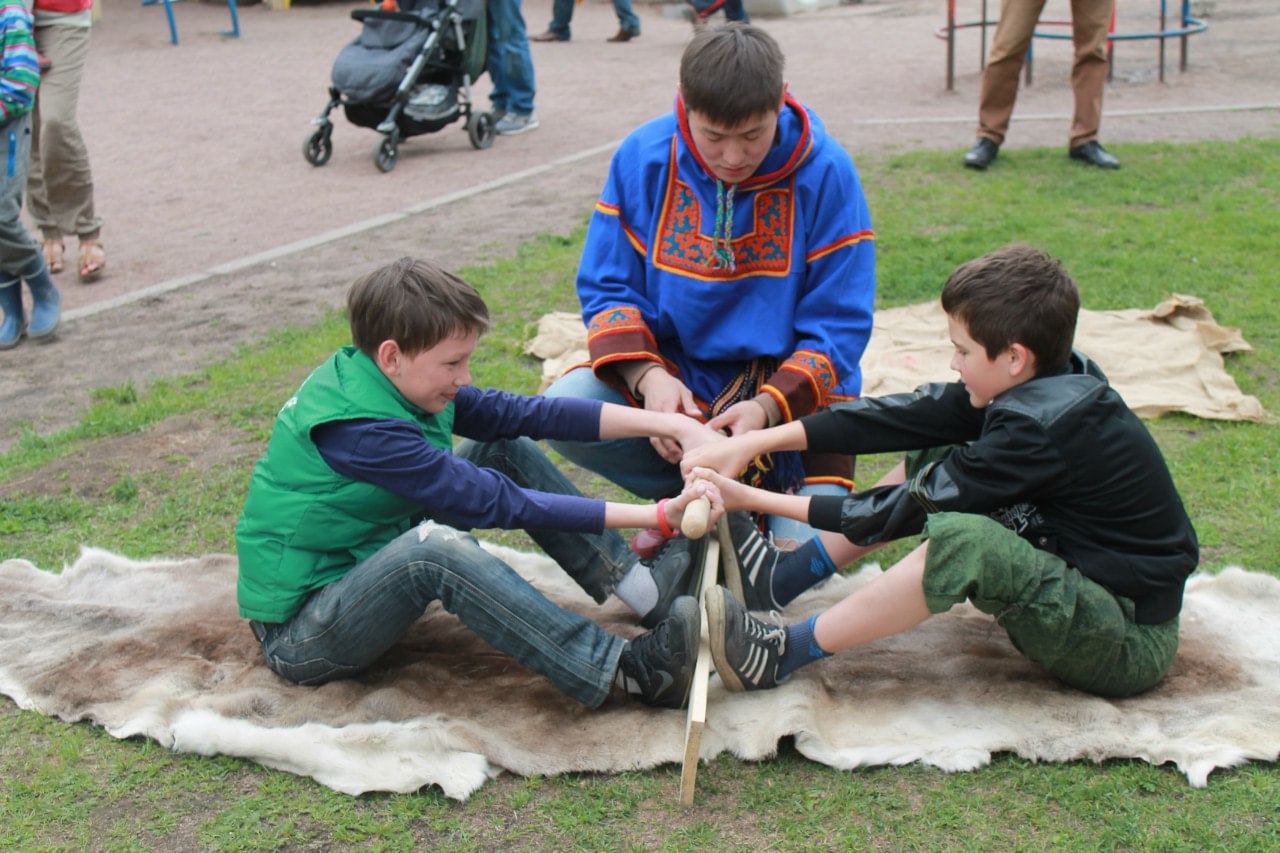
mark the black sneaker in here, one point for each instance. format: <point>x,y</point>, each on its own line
<point>676,570</point>
<point>661,662</point>
<point>757,557</point>
<point>746,650</point>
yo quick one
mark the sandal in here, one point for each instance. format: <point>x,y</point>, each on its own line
<point>53,251</point>
<point>93,259</point>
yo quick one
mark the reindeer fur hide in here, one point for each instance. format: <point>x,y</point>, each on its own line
<point>155,648</point>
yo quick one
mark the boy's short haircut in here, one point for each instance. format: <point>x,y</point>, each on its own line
<point>1017,294</point>
<point>732,73</point>
<point>414,303</point>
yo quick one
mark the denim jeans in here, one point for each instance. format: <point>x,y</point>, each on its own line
<point>562,14</point>
<point>510,64</point>
<point>634,465</point>
<point>734,10</point>
<point>343,628</point>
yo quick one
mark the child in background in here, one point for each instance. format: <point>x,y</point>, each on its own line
<point>20,257</point>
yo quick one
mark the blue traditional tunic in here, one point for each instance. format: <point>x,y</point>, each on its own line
<point>778,300</point>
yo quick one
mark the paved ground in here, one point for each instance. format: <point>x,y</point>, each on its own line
<point>217,230</point>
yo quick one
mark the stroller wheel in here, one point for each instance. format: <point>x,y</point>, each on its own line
<point>385,154</point>
<point>318,147</point>
<point>480,130</point>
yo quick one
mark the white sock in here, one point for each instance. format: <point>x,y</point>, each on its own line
<point>627,683</point>
<point>637,589</point>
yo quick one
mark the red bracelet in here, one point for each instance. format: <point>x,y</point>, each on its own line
<point>664,526</point>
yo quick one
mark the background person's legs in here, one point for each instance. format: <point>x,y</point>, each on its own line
<point>60,181</point>
<point>628,20</point>
<point>1089,22</point>
<point>561,15</point>
<point>510,65</point>
<point>1000,78</point>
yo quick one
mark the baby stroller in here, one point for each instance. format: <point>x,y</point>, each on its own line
<point>409,72</point>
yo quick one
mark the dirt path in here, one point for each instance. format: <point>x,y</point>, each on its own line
<point>218,231</point>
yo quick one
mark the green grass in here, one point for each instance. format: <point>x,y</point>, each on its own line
<point>1197,219</point>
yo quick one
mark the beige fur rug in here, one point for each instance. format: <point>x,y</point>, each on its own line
<point>1168,359</point>
<point>155,649</point>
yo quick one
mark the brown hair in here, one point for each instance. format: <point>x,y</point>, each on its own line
<point>1017,294</point>
<point>414,303</point>
<point>731,73</point>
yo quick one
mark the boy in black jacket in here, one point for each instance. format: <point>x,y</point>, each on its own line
<point>1042,498</point>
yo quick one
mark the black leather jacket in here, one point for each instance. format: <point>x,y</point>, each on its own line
<point>1060,459</point>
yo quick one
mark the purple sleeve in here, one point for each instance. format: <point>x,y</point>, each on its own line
<point>393,454</point>
<point>485,415</point>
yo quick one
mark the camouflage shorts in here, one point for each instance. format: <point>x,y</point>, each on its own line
<point>1077,629</point>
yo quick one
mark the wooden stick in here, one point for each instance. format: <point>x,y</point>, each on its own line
<point>701,676</point>
<point>694,522</point>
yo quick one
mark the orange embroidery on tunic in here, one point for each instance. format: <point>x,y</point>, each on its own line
<point>682,246</point>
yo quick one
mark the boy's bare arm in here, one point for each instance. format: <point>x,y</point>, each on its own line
<point>739,496</point>
<point>732,456</point>
<point>625,422</point>
<point>618,515</point>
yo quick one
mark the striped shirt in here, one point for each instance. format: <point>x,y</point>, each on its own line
<point>19,67</point>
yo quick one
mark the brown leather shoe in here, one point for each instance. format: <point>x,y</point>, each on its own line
<point>549,35</point>
<point>623,35</point>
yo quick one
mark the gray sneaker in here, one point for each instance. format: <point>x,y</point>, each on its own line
<point>746,650</point>
<point>676,570</point>
<point>514,123</point>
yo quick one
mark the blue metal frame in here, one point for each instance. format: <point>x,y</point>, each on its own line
<point>1190,26</point>
<point>234,32</point>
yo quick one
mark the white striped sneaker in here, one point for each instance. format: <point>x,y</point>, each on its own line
<point>745,649</point>
<point>757,558</point>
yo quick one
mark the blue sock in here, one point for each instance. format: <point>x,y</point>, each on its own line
<point>799,570</point>
<point>802,648</point>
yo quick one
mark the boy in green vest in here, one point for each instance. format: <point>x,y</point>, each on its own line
<point>355,517</point>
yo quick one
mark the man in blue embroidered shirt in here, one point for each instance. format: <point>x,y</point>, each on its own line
<point>728,272</point>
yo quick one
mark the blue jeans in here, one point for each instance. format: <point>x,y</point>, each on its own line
<point>733,9</point>
<point>562,14</point>
<point>343,628</point>
<point>510,64</point>
<point>634,465</point>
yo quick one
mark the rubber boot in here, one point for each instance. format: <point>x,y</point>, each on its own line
<point>46,304</point>
<point>11,327</point>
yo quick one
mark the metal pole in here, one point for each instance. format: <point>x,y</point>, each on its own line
<point>1186,13</point>
<point>1111,46</point>
<point>951,44</point>
<point>982,50</point>
<point>1163,15</point>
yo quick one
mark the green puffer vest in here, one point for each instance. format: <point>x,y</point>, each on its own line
<point>304,525</point>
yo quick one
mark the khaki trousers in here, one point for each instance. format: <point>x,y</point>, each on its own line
<point>1089,22</point>
<point>59,181</point>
